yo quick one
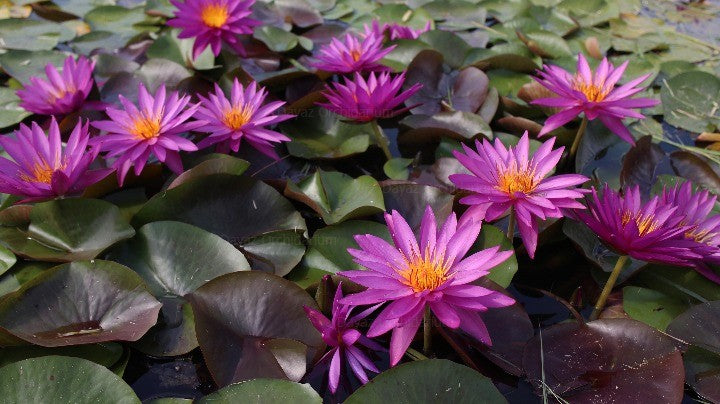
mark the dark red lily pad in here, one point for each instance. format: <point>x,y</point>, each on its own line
<point>252,325</point>
<point>80,303</point>
<point>606,361</point>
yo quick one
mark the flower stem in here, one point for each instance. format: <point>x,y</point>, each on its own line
<point>427,331</point>
<point>608,287</point>
<point>381,139</point>
<point>578,137</point>
<point>511,225</point>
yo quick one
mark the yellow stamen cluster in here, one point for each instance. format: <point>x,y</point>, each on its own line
<point>237,117</point>
<point>146,128</point>
<point>214,15</point>
<point>513,179</point>
<point>355,54</point>
<point>699,235</point>
<point>424,273</point>
<point>593,92</point>
<point>645,223</point>
<point>41,172</point>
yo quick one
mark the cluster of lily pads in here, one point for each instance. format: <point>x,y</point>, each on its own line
<point>325,200</point>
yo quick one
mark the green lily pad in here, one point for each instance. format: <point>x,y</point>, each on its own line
<point>68,230</point>
<point>259,391</point>
<point>248,213</point>
<point>252,325</point>
<point>337,197</point>
<point>100,301</point>
<point>318,133</point>
<point>10,110</point>
<point>32,35</point>
<point>653,308</point>
<point>174,259</point>
<point>689,101</point>
<point>397,168</point>
<point>20,273</point>
<point>279,40</point>
<point>169,46</point>
<point>212,164</point>
<point>491,236</point>
<point>123,22</point>
<point>109,354</point>
<point>23,64</point>
<point>327,250</point>
<point>63,379</point>
<point>450,45</point>
<point>432,380</point>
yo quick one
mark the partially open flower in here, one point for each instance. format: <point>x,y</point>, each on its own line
<point>353,54</point>
<point>365,100</point>
<point>42,168</point>
<point>593,94</point>
<point>61,92</point>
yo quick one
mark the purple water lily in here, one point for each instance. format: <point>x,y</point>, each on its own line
<point>60,93</point>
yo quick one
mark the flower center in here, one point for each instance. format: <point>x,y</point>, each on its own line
<point>645,224</point>
<point>593,93</point>
<point>236,118</point>
<point>514,180</point>
<point>355,54</point>
<point>41,172</point>
<point>424,274</point>
<point>214,15</point>
<point>145,128</point>
<point>699,235</point>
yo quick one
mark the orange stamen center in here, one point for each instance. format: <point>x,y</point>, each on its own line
<point>424,273</point>
<point>593,92</point>
<point>41,172</point>
<point>145,128</point>
<point>645,224</point>
<point>355,54</point>
<point>237,117</point>
<point>513,179</point>
<point>214,15</point>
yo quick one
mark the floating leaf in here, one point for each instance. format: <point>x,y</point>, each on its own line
<point>62,379</point>
<point>10,110</point>
<point>252,325</point>
<point>318,133</point>
<point>338,197</point>
<point>689,101</point>
<point>100,301</point>
<point>68,230</point>
<point>411,199</point>
<point>259,391</point>
<point>214,203</point>
<point>605,361</point>
<point>491,236</point>
<point>32,35</point>
<point>174,259</point>
<point>432,380</point>
<point>653,308</point>
<point>22,64</point>
<point>169,46</point>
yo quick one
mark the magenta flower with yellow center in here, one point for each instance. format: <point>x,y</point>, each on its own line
<point>509,179</point>
<point>211,22</point>
<point>593,94</point>
<point>340,334</point>
<point>243,116</point>
<point>41,168</point>
<point>60,93</point>
<point>133,134</point>
<point>703,227</point>
<point>353,54</point>
<point>432,275</point>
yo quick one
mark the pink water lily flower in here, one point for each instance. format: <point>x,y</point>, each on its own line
<point>432,273</point>
<point>133,134</point>
<point>41,168</point>
<point>650,231</point>
<point>395,30</point>
<point>365,100</point>
<point>340,334</point>
<point>353,54</point>
<point>593,94</point>
<point>212,22</point>
<point>704,228</point>
<point>61,92</point>
<point>511,179</point>
<point>242,116</point>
